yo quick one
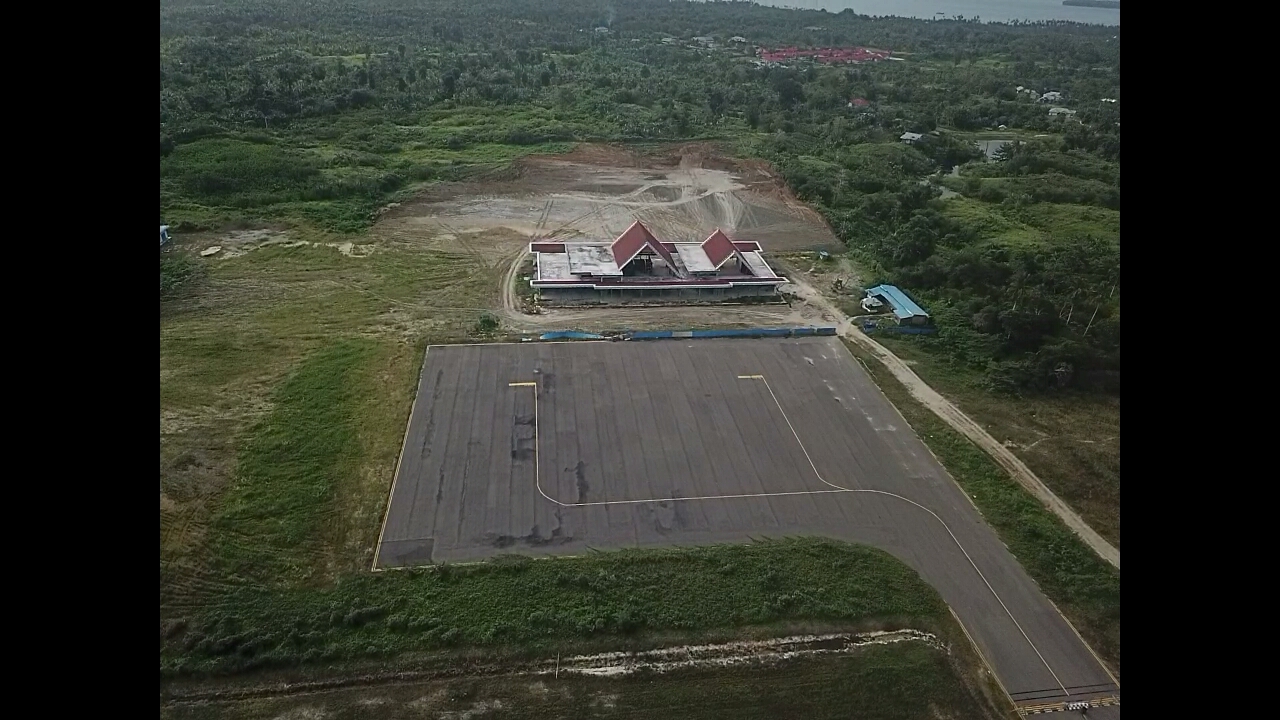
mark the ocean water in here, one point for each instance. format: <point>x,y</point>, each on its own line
<point>986,10</point>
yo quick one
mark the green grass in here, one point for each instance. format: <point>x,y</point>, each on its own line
<point>990,223</point>
<point>1070,440</point>
<point>270,527</point>
<point>1081,584</point>
<point>334,175</point>
<point>1031,225</point>
<point>541,604</point>
<point>262,329</point>
<point>905,681</point>
<point>176,271</point>
<point>1062,220</point>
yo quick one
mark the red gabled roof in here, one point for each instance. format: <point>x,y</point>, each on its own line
<point>719,248</point>
<point>635,239</point>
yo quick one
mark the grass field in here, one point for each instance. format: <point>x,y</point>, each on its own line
<point>545,605</point>
<point>285,380</point>
<point>1038,224</point>
<point>1083,586</point>
<point>906,680</point>
<point>1070,440</point>
<point>335,176</point>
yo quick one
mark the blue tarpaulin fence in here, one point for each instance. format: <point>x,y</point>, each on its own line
<point>748,333</point>
<point>668,334</point>
<point>570,335</point>
<point>872,326</point>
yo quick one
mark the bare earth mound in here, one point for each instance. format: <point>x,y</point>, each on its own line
<point>595,192</point>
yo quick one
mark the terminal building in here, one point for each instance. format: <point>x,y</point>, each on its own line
<point>637,267</point>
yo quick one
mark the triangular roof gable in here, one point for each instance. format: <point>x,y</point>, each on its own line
<point>719,248</point>
<point>631,242</point>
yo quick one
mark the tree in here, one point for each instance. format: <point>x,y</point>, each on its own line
<point>789,91</point>
<point>1006,151</point>
<point>545,78</point>
<point>715,102</point>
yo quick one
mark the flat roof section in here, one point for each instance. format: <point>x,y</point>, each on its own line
<point>758,266</point>
<point>694,258</point>
<point>554,266</point>
<point>591,260</point>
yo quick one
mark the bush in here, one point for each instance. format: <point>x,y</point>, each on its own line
<point>175,270</point>
<point>487,324</point>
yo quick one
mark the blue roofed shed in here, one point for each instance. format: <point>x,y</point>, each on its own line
<point>907,312</point>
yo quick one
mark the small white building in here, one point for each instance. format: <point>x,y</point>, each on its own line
<point>602,30</point>
<point>1052,96</point>
<point>1061,112</point>
<point>737,39</point>
<point>911,138</point>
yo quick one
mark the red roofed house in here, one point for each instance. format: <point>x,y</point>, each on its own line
<point>637,267</point>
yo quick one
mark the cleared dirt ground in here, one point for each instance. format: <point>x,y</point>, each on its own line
<point>682,193</point>
<point>596,191</point>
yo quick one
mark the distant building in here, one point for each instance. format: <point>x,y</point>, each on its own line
<point>1109,100</point>
<point>737,39</point>
<point>1053,96</point>
<point>911,138</point>
<point>904,309</point>
<point>602,30</point>
<point>858,103</point>
<point>164,235</point>
<point>1061,112</point>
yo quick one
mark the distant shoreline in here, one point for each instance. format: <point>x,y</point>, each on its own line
<point>1112,4</point>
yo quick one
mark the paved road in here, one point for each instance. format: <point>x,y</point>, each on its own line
<point>643,444</point>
